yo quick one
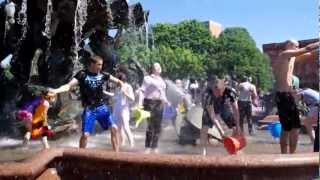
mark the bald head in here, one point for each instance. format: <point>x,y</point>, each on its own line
<point>292,44</point>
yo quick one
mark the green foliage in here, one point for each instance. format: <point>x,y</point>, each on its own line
<point>188,50</point>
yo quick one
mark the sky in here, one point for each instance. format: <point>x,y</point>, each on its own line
<point>267,21</point>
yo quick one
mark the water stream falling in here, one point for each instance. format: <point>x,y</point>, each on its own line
<point>146,25</point>
<point>80,18</point>
<point>22,20</point>
<point>48,25</point>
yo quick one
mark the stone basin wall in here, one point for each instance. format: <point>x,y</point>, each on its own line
<point>73,163</point>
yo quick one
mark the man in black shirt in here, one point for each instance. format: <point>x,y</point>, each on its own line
<point>91,81</point>
<point>219,100</point>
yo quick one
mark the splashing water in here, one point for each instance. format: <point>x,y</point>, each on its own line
<point>80,19</point>
<point>47,30</point>
<point>146,25</point>
<point>22,20</point>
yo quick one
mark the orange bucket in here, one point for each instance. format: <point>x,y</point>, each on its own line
<point>234,143</point>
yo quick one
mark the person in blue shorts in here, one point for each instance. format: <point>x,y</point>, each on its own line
<point>91,81</point>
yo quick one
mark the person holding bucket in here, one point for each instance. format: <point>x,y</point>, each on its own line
<point>219,101</point>
<point>283,67</point>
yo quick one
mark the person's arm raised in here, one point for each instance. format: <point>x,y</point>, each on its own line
<point>116,80</point>
<point>300,51</point>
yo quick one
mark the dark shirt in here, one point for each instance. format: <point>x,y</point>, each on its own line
<point>222,105</point>
<point>91,87</point>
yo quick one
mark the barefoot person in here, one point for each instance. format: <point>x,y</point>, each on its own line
<point>311,99</point>
<point>91,81</point>
<point>152,94</point>
<point>121,110</point>
<point>247,97</point>
<point>34,115</point>
<point>288,113</point>
<point>219,100</point>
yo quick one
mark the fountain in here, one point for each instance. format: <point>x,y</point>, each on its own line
<point>47,41</point>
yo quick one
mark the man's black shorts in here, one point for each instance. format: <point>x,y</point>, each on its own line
<point>288,111</point>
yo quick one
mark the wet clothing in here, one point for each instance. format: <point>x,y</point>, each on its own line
<point>154,87</point>
<point>91,87</point>
<point>33,112</point>
<point>245,111</point>
<point>31,105</point>
<point>101,113</point>
<point>245,104</point>
<point>287,111</point>
<point>246,89</point>
<point>311,98</point>
<point>222,105</point>
<point>91,90</point>
<point>155,107</point>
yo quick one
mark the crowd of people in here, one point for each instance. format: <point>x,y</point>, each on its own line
<point>221,100</point>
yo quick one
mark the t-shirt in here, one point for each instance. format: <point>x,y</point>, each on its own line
<point>91,87</point>
<point>222,105</point>
<point>31,105</point>
<point>246,89</point>
<point>310,96</point>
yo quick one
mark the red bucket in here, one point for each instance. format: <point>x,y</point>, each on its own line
<point>234,143</point>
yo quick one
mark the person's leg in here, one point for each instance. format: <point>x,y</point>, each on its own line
<point>307,122</point>
<point>126,127</point>
<point>105,120</point>
<point>28,125</point>
<point>147,106</point>
<point>88,119</point>
<point>119,122</point>
<point>204,139</point>
<point>83,140</point>
<point>284,141</point>
<point>158,109</point>
<point>27,137</point>
<point>114,138</point>
<point>293,140</point>
<point>45,142</point>
<point>249,119</point>
<point>242,115</point>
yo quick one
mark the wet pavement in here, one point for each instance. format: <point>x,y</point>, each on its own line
<point>261,143</point>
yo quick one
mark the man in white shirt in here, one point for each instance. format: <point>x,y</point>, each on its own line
<point>247,97</point>
<point>153,97</point>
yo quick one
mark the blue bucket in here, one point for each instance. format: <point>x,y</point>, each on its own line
<point>169,112</point>
<point>275,129</point>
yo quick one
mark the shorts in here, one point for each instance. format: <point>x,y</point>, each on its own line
<point>100,113</point>
<point>287,111</point>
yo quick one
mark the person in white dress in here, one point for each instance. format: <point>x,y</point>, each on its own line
<point>121,110</point>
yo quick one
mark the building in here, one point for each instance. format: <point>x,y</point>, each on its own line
<point>306,68</point>
<point>214,28</point>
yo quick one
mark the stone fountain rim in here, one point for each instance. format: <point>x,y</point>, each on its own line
<point>36,164</point>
